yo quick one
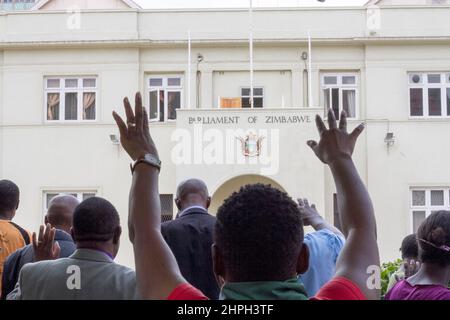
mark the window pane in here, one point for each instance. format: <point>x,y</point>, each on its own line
<point>257,91</point>
<point>434,78</point>
<point>447,76</point>
<point>448,101</point>
<point>166,204</point>
<point>71,101</point>
<point>434,102</point>
<point>71,83</point>
<point>153,104</point>
<point>48,198</point>
<point>330,80</point>
<point>156,82</point>
<point>258,102</point>
<point>418,198</point>
<point>326,98</point>
<point>349,102</point>
<point>88,195</point>
<point>174,103</point>
<point>53,103</point>
<point>349,80</point>
<point>437,197</point>
<point>418,218</point>
<point>161,105</point>
<point>245,92</point>
<point>89,104</point>
<point>53,83</point>
<point>89,83</point>
<point>246,103</point>
<point>416,102</point>
<point>335,102</point>
<point>174,82</point>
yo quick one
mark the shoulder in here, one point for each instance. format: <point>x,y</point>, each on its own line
<point>340,288</point>
<point>186,291</point>
<point>324,237</point>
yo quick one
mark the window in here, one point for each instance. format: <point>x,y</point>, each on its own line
<point>429,94</point>
<point>425,201</point>
<point>258,97</point>
<point>71,99</point>
<point>165,96</point>
<point>340,92</point>
<point>80,195</point>
<point>166,207</point>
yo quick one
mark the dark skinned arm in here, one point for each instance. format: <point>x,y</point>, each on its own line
<point>157,271</point>
<point>360,251</point>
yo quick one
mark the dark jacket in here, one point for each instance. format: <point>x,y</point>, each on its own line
<point>190,237</point>
<point>18,259</point>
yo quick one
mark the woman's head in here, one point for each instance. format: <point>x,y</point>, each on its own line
<point>434,239</point>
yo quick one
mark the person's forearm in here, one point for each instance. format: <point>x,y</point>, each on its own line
<point>145,207</point>
<point>355,206</point>
<point>321,223</point>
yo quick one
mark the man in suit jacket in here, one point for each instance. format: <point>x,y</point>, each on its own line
<point>59,215</point>
<point>88,274</point>
<point>190,236</point>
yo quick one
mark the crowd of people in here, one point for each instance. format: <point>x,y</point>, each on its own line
<point>254,248</point>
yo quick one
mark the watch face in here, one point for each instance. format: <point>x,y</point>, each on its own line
<point>152,159</point>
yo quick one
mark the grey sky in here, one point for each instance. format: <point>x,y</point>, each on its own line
<point>243,3</point>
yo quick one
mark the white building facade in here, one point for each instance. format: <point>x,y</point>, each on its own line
<point>63,73</point>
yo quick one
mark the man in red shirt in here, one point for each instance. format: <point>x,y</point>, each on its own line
<point>157,272</point>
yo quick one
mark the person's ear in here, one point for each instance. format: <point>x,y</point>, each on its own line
<point>303,260</point>
<point>178,203</point>
<point>117,233</point>
<point>208,203</point>
<point>72,233</point>
<point>46,220</point>
<point>218,266</point>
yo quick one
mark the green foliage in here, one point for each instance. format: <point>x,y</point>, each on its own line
<point>387,269</point>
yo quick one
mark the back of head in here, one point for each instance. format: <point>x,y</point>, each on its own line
<point>9,196</point>
<point>95,220</point>
<point>410,248</point>
<point>434,239</point>
<point>192,192</point>
<point>60,211</point>
<point>259,234</point>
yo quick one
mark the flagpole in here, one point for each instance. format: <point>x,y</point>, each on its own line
<point>189,69</point>
<point>310,98</point>
<point>251,51</point>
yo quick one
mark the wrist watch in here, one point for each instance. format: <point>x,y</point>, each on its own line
<point>148,159</point>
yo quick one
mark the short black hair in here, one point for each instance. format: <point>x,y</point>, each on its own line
<point>9,196</point>
<point>259,233</point>
<point>410,248</point>
<point>95,219</point>
<point>434,236</point>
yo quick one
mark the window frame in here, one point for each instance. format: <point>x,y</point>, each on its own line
<point>342,87</point>
<point>62,90</point>
<point>428,208</point>
<point>254,96</point>
<point>425,86</point>
<point>58,192</point>
<point>166,88</point>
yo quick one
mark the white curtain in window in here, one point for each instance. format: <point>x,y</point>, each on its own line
<point>350,103</point>
<point>52,103</point>
<point>88,102</point>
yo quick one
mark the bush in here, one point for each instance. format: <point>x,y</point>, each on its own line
<point>387,269</point>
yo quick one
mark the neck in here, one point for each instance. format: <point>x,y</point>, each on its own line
<point>106,247</point>
<point>431,274</point>
<point>6,216</point>
<point>193,204</point>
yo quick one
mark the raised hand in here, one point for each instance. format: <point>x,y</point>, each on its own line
<point>135,135</point>
<point>45,247</point>
<point>335,143</point>
<point>309,213</point>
